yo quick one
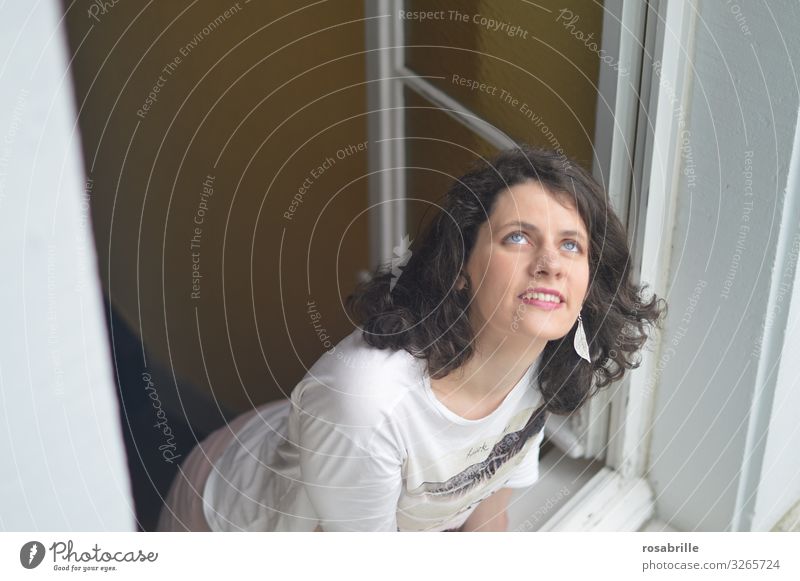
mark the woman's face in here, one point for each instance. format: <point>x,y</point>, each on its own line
<point>530,266</point>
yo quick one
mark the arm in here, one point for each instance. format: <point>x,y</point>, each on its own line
<point>490,514</point>
<point>349,473</point>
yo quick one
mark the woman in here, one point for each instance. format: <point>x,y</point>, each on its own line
<point>515,303</point>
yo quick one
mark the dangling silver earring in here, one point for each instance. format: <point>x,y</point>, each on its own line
<point>580,344</point>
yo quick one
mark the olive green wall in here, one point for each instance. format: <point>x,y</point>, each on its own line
<point>218,112</point>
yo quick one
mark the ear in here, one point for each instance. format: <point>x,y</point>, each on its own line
<point>461,283</point>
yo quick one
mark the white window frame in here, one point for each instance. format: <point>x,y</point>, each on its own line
<point>615,424</point>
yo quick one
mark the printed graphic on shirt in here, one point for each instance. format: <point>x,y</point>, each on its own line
<point>503,451</point>
<point>455,484</point>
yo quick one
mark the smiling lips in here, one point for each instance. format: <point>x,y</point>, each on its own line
<point>543,298</point>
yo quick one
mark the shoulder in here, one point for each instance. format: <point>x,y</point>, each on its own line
<point>357,384</point>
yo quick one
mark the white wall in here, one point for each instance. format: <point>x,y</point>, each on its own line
<point>715,464</point>
<point>62,461</point>
<point>779,486</point>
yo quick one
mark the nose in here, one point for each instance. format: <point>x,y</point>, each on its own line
<point>547,263</point>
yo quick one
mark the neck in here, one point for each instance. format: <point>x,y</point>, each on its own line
<point>497,365</point>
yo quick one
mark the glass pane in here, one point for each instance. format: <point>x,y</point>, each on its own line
<point>439,149</point>
<point>530,68</point>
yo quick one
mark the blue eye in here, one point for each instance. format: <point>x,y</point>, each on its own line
<point>519,237</point>
<point>575,246</point>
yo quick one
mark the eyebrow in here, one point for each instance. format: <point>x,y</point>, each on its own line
<point>529,226</point>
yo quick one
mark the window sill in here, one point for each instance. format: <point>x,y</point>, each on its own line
<point>580,495</point>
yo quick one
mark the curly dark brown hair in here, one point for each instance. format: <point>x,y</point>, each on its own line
<point>422,312</point>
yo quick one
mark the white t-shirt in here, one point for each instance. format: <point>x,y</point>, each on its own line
<point>364,444</point>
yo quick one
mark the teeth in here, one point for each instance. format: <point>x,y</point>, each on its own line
<point>542,297</point>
